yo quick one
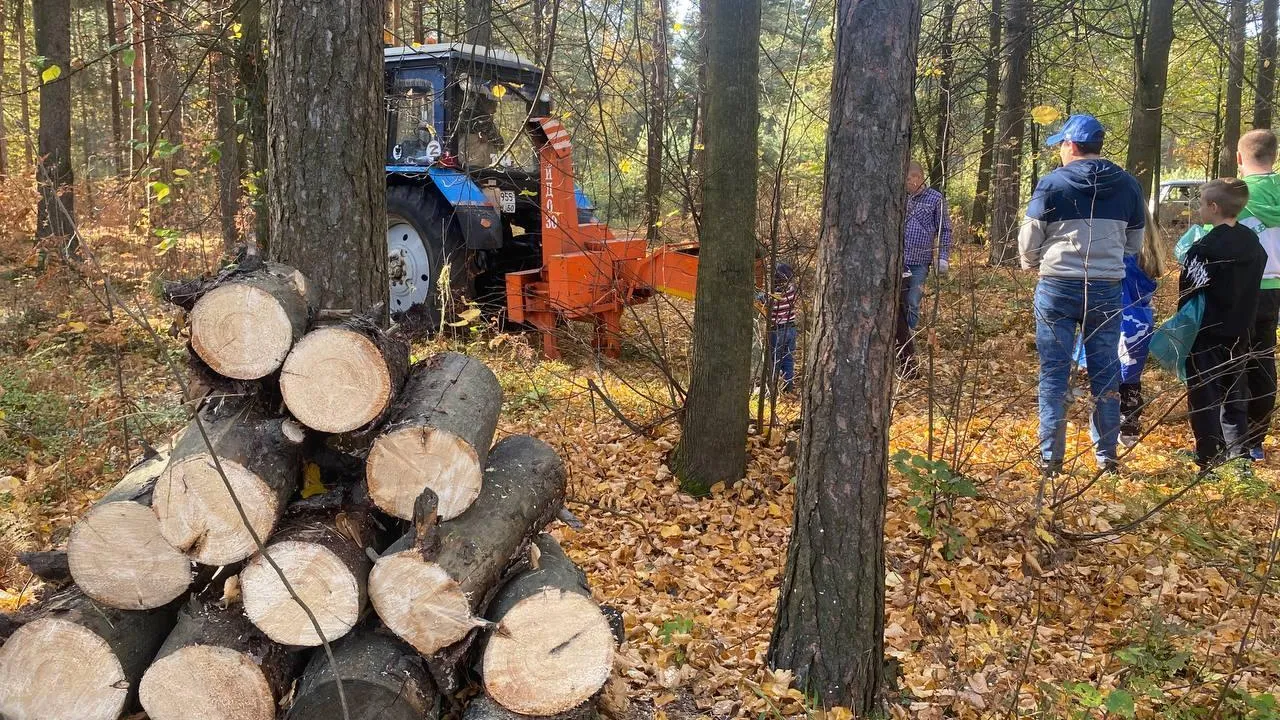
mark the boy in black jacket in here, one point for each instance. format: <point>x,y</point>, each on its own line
<point>1225,268</point>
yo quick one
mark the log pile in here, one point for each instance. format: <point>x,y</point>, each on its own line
<point>334,534</point>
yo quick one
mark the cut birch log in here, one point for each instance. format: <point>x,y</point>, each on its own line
<point>77,659</point>
<point>552,649</point>
<point>344,377</point>
<point>216,665</point>
<point>244,328</point>
<point>324,558</point>
<point>382,679</point>
<point>117,553</point>
<point>437,437</point>
<point>484,708</point>
<point>261,460</point>
<point>433,599</point>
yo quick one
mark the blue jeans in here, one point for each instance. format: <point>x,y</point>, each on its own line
<point>915,293</point>
<point>1063,307</point>
<point>782,348</point>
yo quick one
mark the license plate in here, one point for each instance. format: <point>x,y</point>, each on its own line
<point>508,200</point>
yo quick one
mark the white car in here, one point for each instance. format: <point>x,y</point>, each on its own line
<point>1179,204</point>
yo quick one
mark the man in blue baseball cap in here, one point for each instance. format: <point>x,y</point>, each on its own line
<point>1083,219</point>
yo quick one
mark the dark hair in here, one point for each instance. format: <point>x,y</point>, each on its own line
<point>1089,148</point>
<point>1229,194</point>
<point>1258,146</point>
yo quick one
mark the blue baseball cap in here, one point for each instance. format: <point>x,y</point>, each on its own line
<point>1080,129</point>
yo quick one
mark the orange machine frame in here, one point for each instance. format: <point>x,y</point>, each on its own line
<point>587,273</point>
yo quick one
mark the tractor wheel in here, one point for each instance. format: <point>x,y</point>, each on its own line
<point>421,242</point>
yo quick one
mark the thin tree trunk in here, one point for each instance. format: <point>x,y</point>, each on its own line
<point>1148,95</point>
<point>713,448</point>
<point>830,618</point>
<point>326,131</point>
<point>54,176</point>
<point>539,30</point>
<point>113,71</point>
<point>20,38</point>
<point>419,29</point>
<point>80,85</point>
<point>1235,88</point>
<point>1264,97</point>
<point>657,122</point>
<point>943,131</point>
<point>1013,111</point>
<point>253,88</point>
<point>4,130</point>
<point>991,106</point>
<point>479,22</point>
<point>168,84</point>
<point>138,86</point>
<point>222,87</point>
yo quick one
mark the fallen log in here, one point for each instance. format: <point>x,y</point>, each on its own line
<point>78,660</point>
<point>323,555</point>
<point>50,566</point>
<point>382,679</point>
<point>552,648</point>
<point>344,377</point>
<point>245,326</point>
<point>216,665</point>
<point>260,458</point>
<point>117,553</point>
<point>437,437</point>
<point>432,599</point>
<point>484,708</point>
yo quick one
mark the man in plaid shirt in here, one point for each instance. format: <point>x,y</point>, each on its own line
<point>927,226</point>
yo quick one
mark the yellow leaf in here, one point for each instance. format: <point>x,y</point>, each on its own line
<point>1045,536</point>
<point>236,29</point>
<point>625,166</point>
<point>699,146</point>
<point>670,531</point>
<point>465,317</point>
<point>51,73</point>
<point>499,91</point>
<point>678,27</point>
<point>1045,114</point>
<point>311,484</point>
<point>77,327</point>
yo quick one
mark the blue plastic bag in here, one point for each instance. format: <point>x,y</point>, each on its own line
<point>1172,341</point>
<point>1189,238</point>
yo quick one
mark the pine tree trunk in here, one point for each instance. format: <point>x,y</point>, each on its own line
<point>138,86</point>
<point>52,20</point>
<point>1007,182</point>
<point>252,86</point>
<point>20,39</point>
<point>943,131</point>
<point>419,27</point>
<point>713,448</point>
<point>1235,88</point>
<point>830,619</point>
<point>479,29</point>
<point>1148,96</point>
<point>222,87</point>
<point>4,129</point>
<point>1265,85</point>
<point>657,122</point>
<point>990,110</point>
<point>327,132</point>
<point>113,70</point>
<point>168,85</point>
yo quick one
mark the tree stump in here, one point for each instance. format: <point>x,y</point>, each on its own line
<point>552,649</point>
<point>261,459</point>
<point>433,601</point>
<point>245,326</point>
<point>216,666</point>
<point>343,377</point>
<point>77,659</point>
<point>117,553</point>
<point>324,558</point>
<point>438,437</point>
<point>382,678</point>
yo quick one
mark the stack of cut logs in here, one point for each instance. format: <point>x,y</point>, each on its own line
<point>331,536</point>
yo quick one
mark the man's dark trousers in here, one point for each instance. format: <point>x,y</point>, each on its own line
<point>1261,368</point>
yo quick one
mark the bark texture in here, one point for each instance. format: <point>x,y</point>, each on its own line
<point>1264,98</point>
<point>657,122</point>
<point>713,447</point>
<point>382,678</point>
<point>1235,89</point>
<point>990,108</point>
<point>56,212</point>
<point>327,134</point>
<point>1007,182</point>
<point>830,619</point>
<point>479,22</point>
<point>1148,96</point>
<point>942,131</point>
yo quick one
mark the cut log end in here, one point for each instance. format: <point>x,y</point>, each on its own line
<point>321,580</point>
<point>336,380</point>
<point>552,651</point>
<point>52,668</point>
<point>118,557</point>
<point>241,331</point>
<point>198,516</point>
<point>208,682</point>
<point>419,602</point>
<point>404,462</point>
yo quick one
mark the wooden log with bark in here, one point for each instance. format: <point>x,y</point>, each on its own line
<point>430,588</point>
<point>437,437</point>
<point>74,659</point>
<point>382,679</point>
<point>260,458</point>
<point>215,665</point>
<point>117,553</point>
<point>552,648</point>
<point>483,707</point>
<point>344,377</point>
<point>325,557</point>
<point>51,566</point>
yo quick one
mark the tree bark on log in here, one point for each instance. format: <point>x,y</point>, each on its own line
<point>344,377</point>
<point>382,679</point>
<point>78,660</point>
<point>216,665</point>
<point>432,600</point>
<point>261,459</point>
<point>117,553</point>
<point>324,557</point>
<point>50,566</point>
<point>244,328</point>
<point>552,648</point>
<point>483,707</point>
<point>438,437</point>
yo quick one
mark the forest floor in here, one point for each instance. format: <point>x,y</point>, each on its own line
<point>1086,610</point>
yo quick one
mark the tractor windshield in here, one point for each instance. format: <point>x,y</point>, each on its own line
<point>411,109</point>
<point>491,127</point>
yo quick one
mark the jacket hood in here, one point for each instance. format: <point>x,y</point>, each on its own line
<point>1095,173</point>
<point>1264,199</point>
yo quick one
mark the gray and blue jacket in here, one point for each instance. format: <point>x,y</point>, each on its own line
<point>1083,219</point>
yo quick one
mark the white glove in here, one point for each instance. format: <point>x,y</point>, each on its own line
<point>944,267</point>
